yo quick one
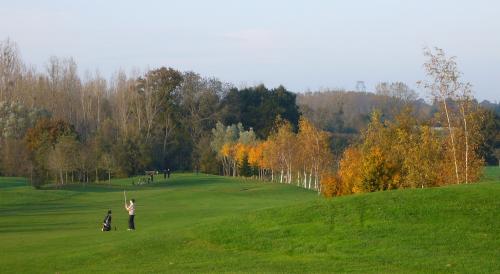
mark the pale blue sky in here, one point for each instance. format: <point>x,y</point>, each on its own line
<point>300,44</point>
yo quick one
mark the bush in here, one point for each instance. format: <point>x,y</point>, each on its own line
<point>330,185</point>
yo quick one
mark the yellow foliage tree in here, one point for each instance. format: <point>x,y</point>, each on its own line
<point>240,151</point>
<point>350,171</point>
<point>283,144</point>
<point>256,157</point>
<point>331,185</point>
<point>228,151</point>
<point>313,154</point>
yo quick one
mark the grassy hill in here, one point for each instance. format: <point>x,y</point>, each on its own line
<point>213,224</point>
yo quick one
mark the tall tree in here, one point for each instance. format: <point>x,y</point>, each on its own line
<point>156,90</point>
<point>62,158</point>
<point>199,100</point>
<point>11,68</point>
<point>443,85</point>
<point>41,141</point>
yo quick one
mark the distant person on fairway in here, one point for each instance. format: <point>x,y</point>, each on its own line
<point>131,213</point>
<point>168,173</point>
<point>106,224</point>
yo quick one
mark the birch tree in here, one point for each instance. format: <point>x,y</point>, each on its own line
<point>443,86</point>
<point>285,145</point>
<point>314,147</point>
<point>464,98</point>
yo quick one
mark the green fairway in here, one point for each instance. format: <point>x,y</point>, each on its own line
<point>202,223</point>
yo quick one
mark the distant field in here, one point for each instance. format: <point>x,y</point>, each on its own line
<point>201,223</point>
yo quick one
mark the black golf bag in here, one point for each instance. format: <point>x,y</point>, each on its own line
<point>106,224</point>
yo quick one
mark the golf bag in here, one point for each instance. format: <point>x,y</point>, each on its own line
<point>106,224</point>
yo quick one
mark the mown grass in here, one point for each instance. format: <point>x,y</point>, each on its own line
<point>200,223</point>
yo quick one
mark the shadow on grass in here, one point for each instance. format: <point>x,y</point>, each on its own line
<point>56,206</point>
<point>90,187</point>
<point>38,227</point>
<point>182,181</point>
<point>10,182</point>
<point>189,181</point>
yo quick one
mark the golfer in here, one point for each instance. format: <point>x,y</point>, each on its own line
<point>131,213</point>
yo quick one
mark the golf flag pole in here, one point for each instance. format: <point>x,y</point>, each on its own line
<point>124,197</point>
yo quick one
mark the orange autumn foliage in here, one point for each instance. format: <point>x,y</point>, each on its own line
<point>255,155</point>
<point>240,152</point>
<point>350,171</point>
<point>331,185</point>
<point>227,150</point>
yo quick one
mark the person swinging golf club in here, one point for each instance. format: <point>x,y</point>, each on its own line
<point>131,212</point>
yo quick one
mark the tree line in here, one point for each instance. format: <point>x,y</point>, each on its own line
<point>285,156</point>
<point>412,144</point>
<point>58,127</point>
<point>346,114</point>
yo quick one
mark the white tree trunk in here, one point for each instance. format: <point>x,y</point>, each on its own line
<point>452,140</point>
<point>466,133</point>
<point>61,175</point>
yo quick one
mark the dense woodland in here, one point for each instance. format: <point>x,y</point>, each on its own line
<point>59,127</point>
